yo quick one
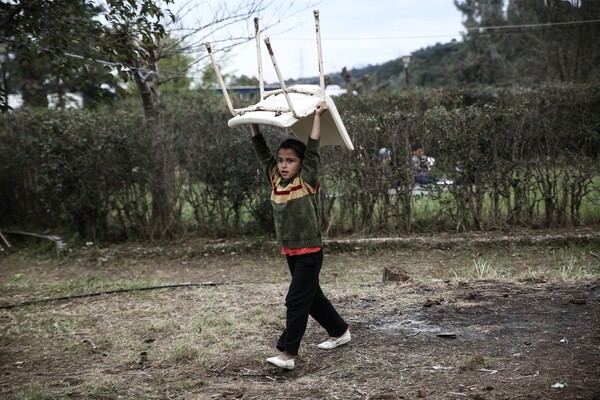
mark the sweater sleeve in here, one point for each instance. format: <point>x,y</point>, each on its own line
<point>311,163</point>
<point>264,155</point>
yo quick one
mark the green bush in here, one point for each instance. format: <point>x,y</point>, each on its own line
<point>64,169</point>
<point>518,157</point>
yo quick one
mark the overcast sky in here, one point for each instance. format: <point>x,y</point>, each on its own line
<point>353,34</point>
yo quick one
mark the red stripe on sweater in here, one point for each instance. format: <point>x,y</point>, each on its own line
<point>285,192</point>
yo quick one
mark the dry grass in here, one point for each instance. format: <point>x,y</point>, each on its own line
<point>210,342</point>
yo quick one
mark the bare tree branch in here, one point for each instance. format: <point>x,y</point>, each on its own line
<point>222,24</point>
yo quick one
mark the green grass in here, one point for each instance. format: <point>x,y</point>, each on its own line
<point>479,269</point>
<point>570,263</point>
<point>438,210</point>
<point>573,269</point>
<point>38,393</point>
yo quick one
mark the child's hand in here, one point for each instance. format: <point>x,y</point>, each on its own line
<point>321,107</point>
<point>255,129</point>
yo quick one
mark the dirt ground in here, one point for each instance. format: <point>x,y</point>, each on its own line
<point>512,334</point>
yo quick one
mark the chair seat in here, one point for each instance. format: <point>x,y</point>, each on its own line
<point>274,110</point>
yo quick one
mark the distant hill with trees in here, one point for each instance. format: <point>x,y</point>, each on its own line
<point>433,66</point>
<point>512,43</point>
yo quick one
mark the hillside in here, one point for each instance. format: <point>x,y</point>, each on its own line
<point>433,66</point>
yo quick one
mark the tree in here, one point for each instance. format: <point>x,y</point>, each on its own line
<point>482,60</point>
<point>51,45</point>
<point>130,37</point>
<point>530,41</point>
<point>148,79</point>
<point>564,47</point>
<point>128,40</point>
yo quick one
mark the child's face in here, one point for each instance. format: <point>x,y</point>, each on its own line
<point>420,152</point>
<point>288,163</point>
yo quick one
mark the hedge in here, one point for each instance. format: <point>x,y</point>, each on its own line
<point>515,157</point>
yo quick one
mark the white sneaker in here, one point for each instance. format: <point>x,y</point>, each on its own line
<point>281,363</point>
<point>333,343</point>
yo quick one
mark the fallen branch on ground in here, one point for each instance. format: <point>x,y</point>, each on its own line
<point>61,246</point>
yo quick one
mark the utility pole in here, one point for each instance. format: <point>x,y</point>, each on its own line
<point>406,61</point>
<point>3,83</point>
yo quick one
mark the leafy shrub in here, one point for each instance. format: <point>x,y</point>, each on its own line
<point>517,157</point>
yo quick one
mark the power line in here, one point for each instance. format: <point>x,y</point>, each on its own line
<point>68,54</point>
<point>478,28</point>
<point>89,58</point>
<point>541,25</point>
<point>372,37</point>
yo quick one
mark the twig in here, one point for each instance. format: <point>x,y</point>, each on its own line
<point>324,367</point>
<point>219,370</point>
<point>594,254</point>
<point>247,371</point>
<point>87,340</point>
<point>357,390</point>
<point>491,371</point>
<point>458,394</point>
<point>5,240</point>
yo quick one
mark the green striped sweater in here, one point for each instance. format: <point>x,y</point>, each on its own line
<point>295,203</point>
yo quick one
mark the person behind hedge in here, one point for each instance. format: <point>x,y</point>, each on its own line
<point>421,165</point>
<point>294,178</point>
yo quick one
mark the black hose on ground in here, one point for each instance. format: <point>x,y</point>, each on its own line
<point>83,295</point>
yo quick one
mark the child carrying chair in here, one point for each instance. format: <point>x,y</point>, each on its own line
<point>293,174</point>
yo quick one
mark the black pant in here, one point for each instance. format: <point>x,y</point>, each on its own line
<point>305,298</point>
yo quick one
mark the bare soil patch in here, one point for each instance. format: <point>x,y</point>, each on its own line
<point>529,330</point>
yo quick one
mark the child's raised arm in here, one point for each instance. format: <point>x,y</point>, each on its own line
<point>315,134</point>
<point>255,129</point>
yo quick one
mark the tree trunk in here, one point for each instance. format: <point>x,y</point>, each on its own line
<point>163,160</point>
<point>34,93</point>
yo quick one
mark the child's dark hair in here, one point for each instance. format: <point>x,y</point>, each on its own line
<point>293,144</point>
<point>416,146</point>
